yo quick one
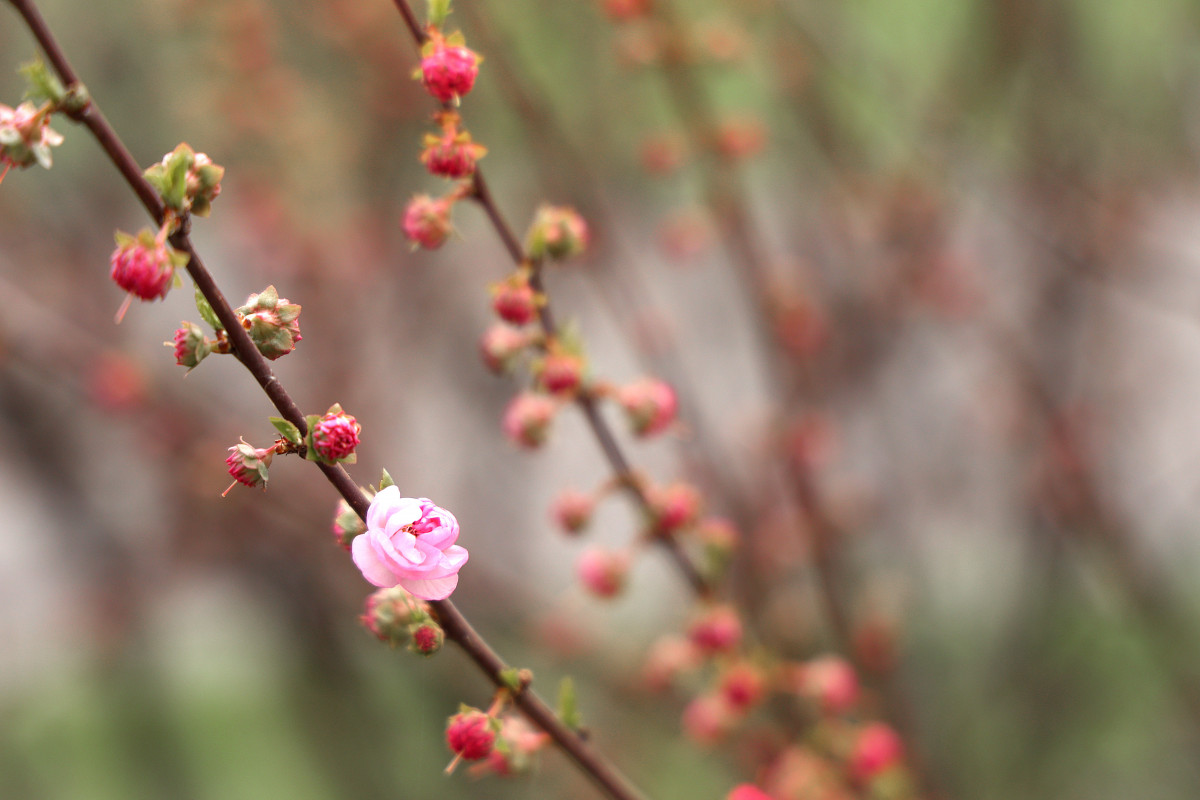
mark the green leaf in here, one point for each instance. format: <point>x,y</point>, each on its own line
<point>206,311</point>
<point>568,708</point>
<point>511,678</point>
<point>42,84</point>
<point>385,480</point>
<point>438,11</point>
<point>287,430</point>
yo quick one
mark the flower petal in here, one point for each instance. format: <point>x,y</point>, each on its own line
<point>381,507</point>
<point>365,558</point>
<point>431,589</point>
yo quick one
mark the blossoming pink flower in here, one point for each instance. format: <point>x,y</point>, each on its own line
<point>448,72</point>
<point>409,542</point>
<point>142,266</point>
<point>336,435</point>
<point>427,221</point>
<point>471,735</point>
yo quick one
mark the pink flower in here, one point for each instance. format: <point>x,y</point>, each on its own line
<point>427,221</point>
<point>336,435</point>
<point>572,510</point>
<point>452,155</point>
<point>514,301</point>
<point>25,137</point>
<point>527,419</point>
<point>409,542</point>
<point>448,72</point>
<point>876,749</point>
<point>142,266</point>
<point>248,464</point>
<point>561,373</point>
<point>673,507</point>
<point>830,682</point>
<point>747,791</point>
<point>717,630</point>
<point>650,405</point>
<point>707,719</point>
<point>742,686</point>
<point>603,573</point>
<point>500,345</point>
<point>471,734</point>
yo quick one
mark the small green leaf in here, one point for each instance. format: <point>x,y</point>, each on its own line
<point>568,709</point>
<point>438,11</point>
<point>385,480</point>
<point>511,678</point>
<point>287,430</point>
<point>42,84</point>
<point>206,311</point>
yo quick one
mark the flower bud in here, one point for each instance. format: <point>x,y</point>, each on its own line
<point>625,10</point>
<point>248,464</point>
<point>26,137</point>
<point>514,300</point>
<point>186,181</point>
<point>560,373</point>
<point>346,524</point>
<point>572,510</point>
<point>741,138</point>
<point>603,572</point>
<point>335,435</point>
<point>471,734</point>
<point>742,686</point>
<point>719,538</point>
<point>391,613</point>
<point>747,791</point>
<point>191,347</point>
<point>673,507</point>
<point>427,221</point>
<point>501,344</point>
<point>143,266</point>
<point>514,750</point>
<point>717,630</point>
<point>707,719</point>
<point>829,682</point>
<point>669,656</point>
<point>203,184</point>
<point>528,417</point>
<point>650,405</point>
<point>557,232</point>
<point>876,748</point>
<point>448,70</point>
<point>426,637</point>
<point>272,322</point>
<point>451,154</point>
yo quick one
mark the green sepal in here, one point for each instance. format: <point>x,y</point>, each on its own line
<point>310,452</point>
<point>511,678</point>
<point>287,430</point>
<point>43,85</point>
<point>385,480</point>
<point>568,708</point>
<point>206,311</point>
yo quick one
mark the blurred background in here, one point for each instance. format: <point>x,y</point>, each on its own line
<point>925,273</point>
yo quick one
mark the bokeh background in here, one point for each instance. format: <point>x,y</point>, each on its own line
<point>928,267</point>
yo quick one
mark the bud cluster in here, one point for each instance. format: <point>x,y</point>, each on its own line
<point>396,617</point>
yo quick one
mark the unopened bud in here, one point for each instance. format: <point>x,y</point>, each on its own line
<point>557,232</point>
<point>272,322</point>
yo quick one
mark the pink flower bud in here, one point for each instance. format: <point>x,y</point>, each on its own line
<point>742,686</point>
<point>719,538</point>
<point>203,184</point>
<point>409,542</point>
<point>451,154</point>
<point>191,347</point>
<point>391,613</point>
<point>427,638</point>
<point>500,345</point>
<point>829,682</point>
<point>560,373</point>
<point>876,749</point>
<point>527,419</point>
<point>650,405</point>
<point>142,266</point>
<point>669,656</point>
<point>625,10</point>
<point>272,321</point>
<point>471,734</point>
<point>427,221</point>
<point>346,524</point>
<point>717,630</point>
<point>741,138</point>
<point>603,572</point>
<point>747,791</point>
<point>673,507</point>
<point>514,300</point>
<point>557,232</point>
<point>572,510</point>
<point>26,137</point>
<point>518,741</point>
<point>707,719</point>
<point>248,465</point>
<point>335,435</point>
<point>447,71</point>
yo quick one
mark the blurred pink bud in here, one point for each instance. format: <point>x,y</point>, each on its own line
<point>557,232</point>
<point>707,719</point>
<point>717,630</point>
<point>625,10</point>
<point>673,507</point>
<point>876,749</point>
<point>572,510</point>
<point>650,405</point>
<point>346,524</point>
<point>336,435</point>
<point>427,637</point>
<point>514,300</point>
<point>410,542</point>
<point>742,685</point>
<point>499,345</point>
<point>741,138</point>
<point>603,572</point>
<point>828,681</point>
<point>669,656</point>
<point>390,613</point>
<point>427,221</point>
<point>471,734</point>
<point>191,347</point>
<point>527,419</point>
<point>560,373</point>
<point>518,741</point>
<point>747,791</point>
<point>26,137</point>
<point>447,71</point>
<point>142,266</point>
<point>451,155</point>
